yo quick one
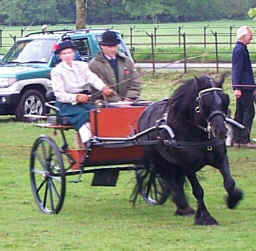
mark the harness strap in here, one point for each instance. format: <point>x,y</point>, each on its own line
<point>209,144</point>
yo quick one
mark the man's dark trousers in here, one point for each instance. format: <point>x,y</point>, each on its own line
<point>244,114</point>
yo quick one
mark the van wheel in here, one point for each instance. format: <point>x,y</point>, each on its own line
<point>32,102</point>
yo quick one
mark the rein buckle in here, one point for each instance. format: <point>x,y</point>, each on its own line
<point>209,148</point>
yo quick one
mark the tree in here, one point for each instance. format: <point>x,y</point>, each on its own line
<point>81,13</point>
<point>25,12</point>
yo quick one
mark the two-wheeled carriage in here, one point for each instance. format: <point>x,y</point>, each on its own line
<point>115,141</point>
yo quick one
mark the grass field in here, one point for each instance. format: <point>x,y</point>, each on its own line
<point>167,48</point>
<point>102,218</point>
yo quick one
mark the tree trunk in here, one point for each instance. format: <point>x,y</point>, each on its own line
<point>81,13</point>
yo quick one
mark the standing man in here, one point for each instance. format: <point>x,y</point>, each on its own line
<point>116,70</point>
<point>243,86</point>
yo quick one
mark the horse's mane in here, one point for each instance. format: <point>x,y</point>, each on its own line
<point>182,102</point>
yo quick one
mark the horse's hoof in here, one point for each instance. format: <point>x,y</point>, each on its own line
<point>185,212</point>
<point>232,200</point>
<point>205,221</point>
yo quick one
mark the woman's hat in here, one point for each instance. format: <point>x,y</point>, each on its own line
<point>66,44</point>
<point>110,38</point>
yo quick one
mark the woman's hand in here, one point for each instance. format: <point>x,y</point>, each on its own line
<point>106,91</point>
<point>82,98</point>
<point>238,93</point>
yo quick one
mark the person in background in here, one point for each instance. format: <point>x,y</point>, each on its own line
<point>244,86</point>
<point>71,79</point>
<point>116,70</point>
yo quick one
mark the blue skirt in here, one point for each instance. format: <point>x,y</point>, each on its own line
<point>77,115</point>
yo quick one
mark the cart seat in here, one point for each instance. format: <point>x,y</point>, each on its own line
<point>55,121</point>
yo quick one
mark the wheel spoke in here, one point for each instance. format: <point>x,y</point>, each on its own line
<point>41,185</point>
<point>155,190</point>
<point>149,186</point>
<point>51,195</point>
<point>55,189</point>
<point>45,195</point>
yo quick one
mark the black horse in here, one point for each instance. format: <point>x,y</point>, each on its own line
<point>196,113</point>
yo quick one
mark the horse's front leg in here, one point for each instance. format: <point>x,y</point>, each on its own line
<point>202,216</point>
<point>234,193</point>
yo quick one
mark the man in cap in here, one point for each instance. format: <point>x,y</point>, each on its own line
<point>70,80</point>
<point>116,69</point>
<point>243,85</point>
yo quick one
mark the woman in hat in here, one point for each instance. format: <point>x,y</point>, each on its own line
<point>70,80</point>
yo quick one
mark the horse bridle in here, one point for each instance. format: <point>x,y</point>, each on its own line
<point>211,142</point>
<point>212,115</point>
<point>206,92</point>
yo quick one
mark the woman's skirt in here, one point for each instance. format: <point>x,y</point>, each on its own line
<point>77,115</point>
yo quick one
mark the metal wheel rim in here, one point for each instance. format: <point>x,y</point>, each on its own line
<point>33,105</point>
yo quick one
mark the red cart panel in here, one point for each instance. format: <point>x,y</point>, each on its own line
<point>116,121</point>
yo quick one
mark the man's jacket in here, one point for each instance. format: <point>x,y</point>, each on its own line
<point>128,85</point>
<point>242,73</point>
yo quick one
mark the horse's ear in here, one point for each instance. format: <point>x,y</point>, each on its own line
<point>222,79</point>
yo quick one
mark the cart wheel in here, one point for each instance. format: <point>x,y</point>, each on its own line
<point>47,175</point>
<point>153,188</point>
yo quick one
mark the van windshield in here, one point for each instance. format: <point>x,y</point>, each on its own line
<point>30,51</point>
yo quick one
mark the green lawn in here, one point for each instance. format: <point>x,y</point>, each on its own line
<point>102,218</point>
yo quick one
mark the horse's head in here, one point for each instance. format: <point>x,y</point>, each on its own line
<point>212,104</point>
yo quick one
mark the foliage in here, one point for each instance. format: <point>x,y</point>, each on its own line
<point>16,12</point>
<point>29,12</point>
<point>252,13</point>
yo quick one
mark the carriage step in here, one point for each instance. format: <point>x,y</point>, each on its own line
<point>105,178</point>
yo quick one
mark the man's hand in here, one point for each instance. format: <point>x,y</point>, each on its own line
<point>106,91</point>
<point>82,98</point>
<point>238,93</point>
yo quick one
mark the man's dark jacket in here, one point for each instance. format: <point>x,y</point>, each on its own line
<point>242,73</point>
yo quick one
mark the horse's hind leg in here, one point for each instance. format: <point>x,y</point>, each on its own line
<point>179,197</point>
<point>202,216</point>
<point>234,194</point>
